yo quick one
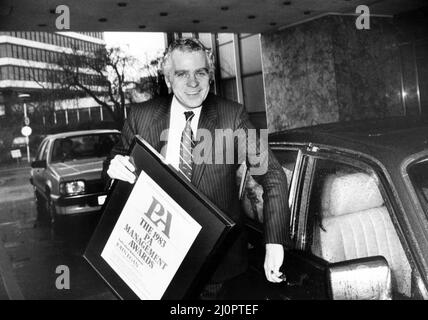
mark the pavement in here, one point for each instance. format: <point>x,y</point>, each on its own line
<point>30,253</point>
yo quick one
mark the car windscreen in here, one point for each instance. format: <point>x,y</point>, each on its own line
<point>418,174</point>
<point>84,146</point>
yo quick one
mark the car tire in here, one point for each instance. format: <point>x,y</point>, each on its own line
<point>43,215</point>
<point>56,225</point>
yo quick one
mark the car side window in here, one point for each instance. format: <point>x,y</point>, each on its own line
<point>41,150</point>
<point>252,198</point>
<point>350,219</point>
<point>45,151</point>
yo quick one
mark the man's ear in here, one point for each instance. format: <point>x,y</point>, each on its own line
<point>167,82</point>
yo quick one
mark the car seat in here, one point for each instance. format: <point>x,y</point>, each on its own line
<point>355,223</point>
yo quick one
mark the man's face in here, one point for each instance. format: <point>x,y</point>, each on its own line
<point>189,77</point>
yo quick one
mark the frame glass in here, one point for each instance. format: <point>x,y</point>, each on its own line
<point>186,233</point>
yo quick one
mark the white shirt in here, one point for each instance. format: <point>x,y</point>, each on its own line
<point>177,122</point>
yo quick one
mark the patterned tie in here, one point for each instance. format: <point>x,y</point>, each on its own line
<point>186,147</point>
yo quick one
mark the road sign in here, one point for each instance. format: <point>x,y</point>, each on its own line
<point>27,121</point>
<point>16,153</point>
<point>26,131</point>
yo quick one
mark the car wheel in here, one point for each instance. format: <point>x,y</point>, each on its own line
<point>43,215</point>
<point>50,208</point>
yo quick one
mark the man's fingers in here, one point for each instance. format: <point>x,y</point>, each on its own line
<point>273,275</point>
<point>276,277</point>
<point>273,261</point>
<point>118,174</point>
<point>124,160</point>
<point>122,169</point>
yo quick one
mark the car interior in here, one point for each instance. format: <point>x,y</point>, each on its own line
<point>354,222</point>
<point>351,219</point>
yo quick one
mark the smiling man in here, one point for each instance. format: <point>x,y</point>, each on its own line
<point>189,69</point>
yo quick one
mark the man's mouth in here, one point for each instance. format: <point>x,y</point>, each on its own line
<point>192,93</point>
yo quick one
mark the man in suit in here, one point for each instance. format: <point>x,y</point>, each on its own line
<point>173,124</point>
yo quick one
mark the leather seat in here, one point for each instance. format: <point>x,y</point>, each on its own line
<point>355,223</point>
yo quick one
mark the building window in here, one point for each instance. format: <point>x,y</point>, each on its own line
<point>15,73</point>
<point>11,73</point>
<point>9,50</point>
<point>228,89</point>
<point>2,110</point>
<point>21,73</point>
<point>3,52</point>
<point>226,61</point>
<point>20,52</point>
<point>27,76</point>
<point>14,51</point>
<point>32,54</point>
<point>3,73</point>
<point>25,53</point>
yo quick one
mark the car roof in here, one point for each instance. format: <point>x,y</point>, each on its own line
<point>80,133</point>
<point>400,136</point>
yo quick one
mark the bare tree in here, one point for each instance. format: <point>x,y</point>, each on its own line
<point>153,81</point>
<point>99,75</point>
<point>104,75</point>
<point>52,90</point>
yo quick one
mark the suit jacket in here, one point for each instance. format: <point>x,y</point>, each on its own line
<point>218,181</point>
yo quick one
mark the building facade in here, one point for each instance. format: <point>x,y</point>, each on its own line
<point>29,64</point>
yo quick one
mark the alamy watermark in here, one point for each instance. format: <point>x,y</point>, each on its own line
<point>62,22</point>
<point>363,20</point>
<point>63,280</point>
<point>230,147</point>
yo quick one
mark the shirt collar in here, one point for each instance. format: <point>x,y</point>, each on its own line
<point>179,108</point>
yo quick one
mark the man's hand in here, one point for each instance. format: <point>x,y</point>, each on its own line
<point>273,261</point>
<point>122,169</point>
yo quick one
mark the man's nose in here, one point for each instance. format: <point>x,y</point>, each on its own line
<point>192,81</point>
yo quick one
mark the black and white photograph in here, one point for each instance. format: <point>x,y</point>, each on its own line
<point>207,152</point>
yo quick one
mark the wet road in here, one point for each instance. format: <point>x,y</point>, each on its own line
<point>30,252</point>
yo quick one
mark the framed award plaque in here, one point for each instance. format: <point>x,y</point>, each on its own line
<point>158,238</point>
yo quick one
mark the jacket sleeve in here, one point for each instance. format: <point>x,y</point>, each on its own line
<point>266,170</point>
<point>122,146</point>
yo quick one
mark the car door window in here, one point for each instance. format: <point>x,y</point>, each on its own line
<point>45,152</point>
<point>252,198</point>
<point>41,150</point>
<point>349,218</point>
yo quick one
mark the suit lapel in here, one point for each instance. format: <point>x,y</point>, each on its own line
<point>208,121</point>
<point>159,123</point>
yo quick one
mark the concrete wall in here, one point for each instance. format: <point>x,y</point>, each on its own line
<point>326,70</point>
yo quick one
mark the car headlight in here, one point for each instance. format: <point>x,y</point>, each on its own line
<point>72,188</point>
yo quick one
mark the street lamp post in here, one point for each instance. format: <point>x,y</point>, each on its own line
<point>26,133</point>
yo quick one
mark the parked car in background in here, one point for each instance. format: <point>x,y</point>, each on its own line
<point>66,173</point>
<point>358,194</point>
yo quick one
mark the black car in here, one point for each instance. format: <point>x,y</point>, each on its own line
<point>358,194</point>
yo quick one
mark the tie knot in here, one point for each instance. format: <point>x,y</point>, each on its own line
<point>189,115</point>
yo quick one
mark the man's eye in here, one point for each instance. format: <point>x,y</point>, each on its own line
<point>202,73</point>
<point>180,74</point>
